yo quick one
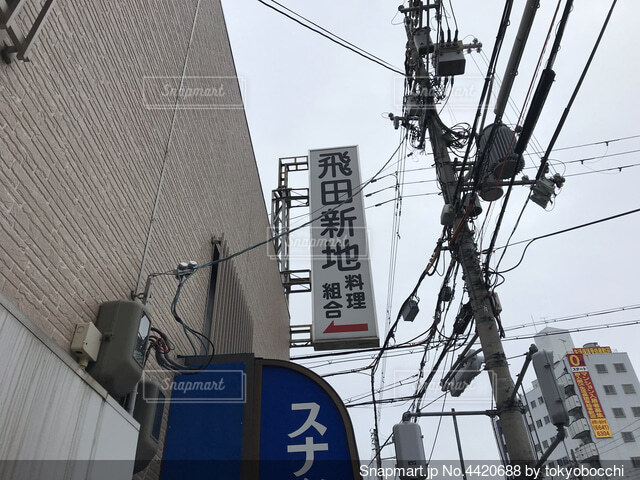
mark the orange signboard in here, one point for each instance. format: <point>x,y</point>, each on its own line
<point>589,396</point>
<point>590,350</point>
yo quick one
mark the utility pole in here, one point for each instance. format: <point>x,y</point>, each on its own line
<point>465,251</point>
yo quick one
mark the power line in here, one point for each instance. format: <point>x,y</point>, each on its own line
<point>488,81</point>
<point>337,40</point>
<point>547,321</point>
<point>618,168</point>
<point>329,32</point>
<point>291,230</point>
<point>385,401</point>
<point>602,142</point>
<point>568,162</point>
<point>406,196</point>
<point>576,90</point>
<point>576,317</point>
<point>560,126</point>
<point>570,229</point>
<point>533,112</point>
<point>575,330</point>
<point>393,255</point>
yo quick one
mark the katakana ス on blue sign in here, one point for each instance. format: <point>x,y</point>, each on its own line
<point>305,432</point>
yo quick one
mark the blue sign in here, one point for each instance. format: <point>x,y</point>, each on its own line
<point>303,432</point>
<point>205,429</point>
<point>251,419</point>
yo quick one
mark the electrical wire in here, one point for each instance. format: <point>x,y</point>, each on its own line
<point>576,90</point>
<point>566,230</point>
<point>428,194</point>
<point>619,169</point>
<point>505,201</point>
<point>330,36</point>
<point>347,198</point>
<point>625,308</point>
<point>435,438</point>
<point>575,330</point>
<point>393,255</point>
<point>497,47</point>
<point>575,317</point>
<point>563,118</point>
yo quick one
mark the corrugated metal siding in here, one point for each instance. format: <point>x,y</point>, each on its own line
<point>48,412</point>
<point>232,326</point>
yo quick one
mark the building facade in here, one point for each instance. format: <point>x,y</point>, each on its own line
<point>124,150</point>
<point>602,396</point>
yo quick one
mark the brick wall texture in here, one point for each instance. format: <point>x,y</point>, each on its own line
<point>81,160</point>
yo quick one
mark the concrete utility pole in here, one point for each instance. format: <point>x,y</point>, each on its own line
<point>465,251</point>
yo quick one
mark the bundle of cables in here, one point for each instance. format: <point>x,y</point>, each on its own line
<point>161,343</point>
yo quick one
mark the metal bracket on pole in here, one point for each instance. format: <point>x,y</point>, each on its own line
<point>556,441</point>
<point>421,8</point>
<point>406,416</point>
<point>532,349</point>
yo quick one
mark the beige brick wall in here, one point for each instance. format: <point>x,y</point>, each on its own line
<point>81,159</point>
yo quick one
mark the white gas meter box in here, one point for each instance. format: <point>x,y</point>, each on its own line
<point>85,343</point>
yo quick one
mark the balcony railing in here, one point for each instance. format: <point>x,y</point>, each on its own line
<point>579,429</point>
<point>586,453</point>
<point>573,404</point>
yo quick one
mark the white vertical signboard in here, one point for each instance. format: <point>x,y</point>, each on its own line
<point>344,314</point>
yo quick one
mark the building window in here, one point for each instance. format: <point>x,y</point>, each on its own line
<point>609,389</point>
<point>530,425</point>
<point>540,400</point>
<point>545,444</point>
<point>628,437</point>
<point>533,404</point>
<point>538,449</point>
<point>546,419</point>
<point>618,413</point>
<point>636,411</point>
<point>628,388</point>
<point>601,368</point>
<point>620,367</point>
<point>635,461</point>
<point>539,423</point>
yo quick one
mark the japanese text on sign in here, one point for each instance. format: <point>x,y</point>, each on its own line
<point>343,305</point>
<point>589,396</point>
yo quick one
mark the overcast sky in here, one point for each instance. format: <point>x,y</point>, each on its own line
<point>303,92</point>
